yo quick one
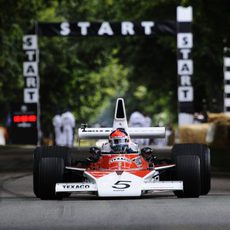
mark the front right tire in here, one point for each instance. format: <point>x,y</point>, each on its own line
<point>203,152</point>
<point>188,171</point>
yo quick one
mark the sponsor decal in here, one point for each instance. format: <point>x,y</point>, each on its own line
<point>96,130</point>
<point>138,161</point>
<point>76,186</point>
<point>120,159</point>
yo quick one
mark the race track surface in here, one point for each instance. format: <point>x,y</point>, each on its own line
<point>19,209</point>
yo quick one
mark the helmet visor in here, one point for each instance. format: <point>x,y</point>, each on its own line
<point>119,144</point>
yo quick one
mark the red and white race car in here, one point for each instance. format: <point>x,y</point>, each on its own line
<point>122,174</point>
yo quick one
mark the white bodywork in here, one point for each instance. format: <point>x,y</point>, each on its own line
<point>125,184</point>
<point>117,184</point>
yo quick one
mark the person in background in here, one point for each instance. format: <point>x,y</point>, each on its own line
<point>160,141</point>
<point>58,135</point>
<point>68,124</point>
<point>147,123</point>
<point>8,128</point>
<point>2,135</point>
<point>137,119</point>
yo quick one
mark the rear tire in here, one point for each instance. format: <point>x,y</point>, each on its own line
<point>48,152</point>
<point>51,171</point>
<point>188,170</point>
<point>205,166</point>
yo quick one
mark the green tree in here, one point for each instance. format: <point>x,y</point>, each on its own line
<point>84,73</point>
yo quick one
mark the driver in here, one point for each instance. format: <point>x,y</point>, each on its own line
<point>119,142</point>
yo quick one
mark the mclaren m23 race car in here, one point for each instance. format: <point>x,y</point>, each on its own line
<point>122,174</point>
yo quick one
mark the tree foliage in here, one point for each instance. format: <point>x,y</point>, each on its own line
<point>86,74</point>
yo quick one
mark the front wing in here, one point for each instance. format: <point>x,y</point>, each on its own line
<point>115,185</point>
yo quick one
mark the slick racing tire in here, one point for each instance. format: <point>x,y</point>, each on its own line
<point>44,152</point>
<point>205,166</point>
<point>51,171</point>
<point>188,171</point>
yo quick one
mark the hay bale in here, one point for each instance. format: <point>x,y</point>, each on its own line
<point>214,117</point>
<point>221,134</point>
<point>215,133</point>
<point>195,133</point>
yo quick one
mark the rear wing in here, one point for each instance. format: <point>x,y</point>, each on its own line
<point>120,121</point>
<point>140,132</point>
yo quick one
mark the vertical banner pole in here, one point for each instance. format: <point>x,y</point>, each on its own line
<point>184,65</point>
<point>31,77</point>
<point>226,69</point>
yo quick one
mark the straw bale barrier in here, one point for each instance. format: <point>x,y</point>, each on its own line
<point>221,134</point>
<point>220,129</point>
<point>215,133</point>
<point>195,133</point>
<point>214,117</point>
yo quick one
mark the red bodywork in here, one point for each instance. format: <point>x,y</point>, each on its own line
<point>132,163</point>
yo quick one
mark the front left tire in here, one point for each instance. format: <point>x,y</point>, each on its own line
<point>44,152</point>
<point>51,171</point>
